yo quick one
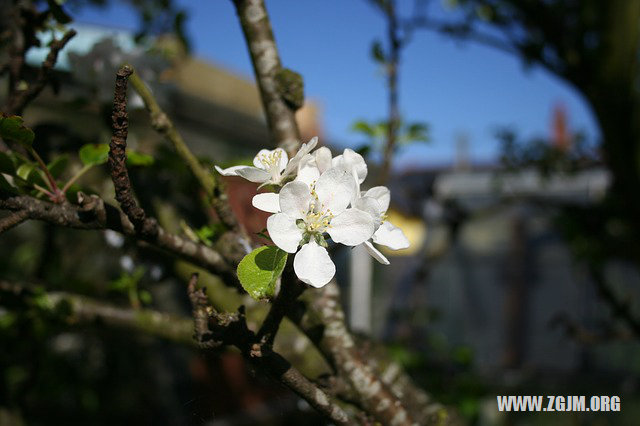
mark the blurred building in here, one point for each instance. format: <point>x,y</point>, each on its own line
<point>496,278</point>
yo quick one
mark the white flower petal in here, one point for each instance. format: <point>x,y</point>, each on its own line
<point>268,202</point>
<point>254,174</point>
<point>375,253</point>
<point>382,195</point>
<point>351,227</point>
<point>335,189</point>
<point>284,232</point>
<point>390,236</point>
<point>313,265</point>
<point>284,159</point>
<point>351,161</point>
<point>294,199</point>
<point>266,154</point>
<point>231,171</point>
<point>307,170</point>
<point>304,150</point>
<point>323,158</point>
<point>263,153</point>
<point>371,206</point>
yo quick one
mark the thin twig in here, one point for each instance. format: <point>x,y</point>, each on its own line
<point>161,122</point>
<point>392,68</point>
<point>19,99</point>
<point>118,158</point>
<point>578,333</point>
<point>621,309</point>
<point>13,220</point>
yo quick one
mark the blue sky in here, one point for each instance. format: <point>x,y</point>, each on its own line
<point>454,87</point>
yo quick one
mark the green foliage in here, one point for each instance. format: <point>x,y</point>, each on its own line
<point>138,159</point>
<point>12,128</point>
<point>206,234</point>
<point>541,154</point>
<point>415,132</point>
<point>94,154</point>
<point>209,233</point>
<point>5,186</point>
<point>376,133</point>
<point>128,283</point>
<point>7,164</point>
<point>377,52</point>
<point>369,129</point>
<point>259,271</point>
<point>58,165</point>
<point>127,280</point>
<point>30,174</point>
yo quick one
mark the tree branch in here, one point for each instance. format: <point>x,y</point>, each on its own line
<point>336,342</point>
<point>83,309</point>
<point>290,289</point>
<point>118,159</point>
<point>619,308</point>
<point>272,79</point>
<point>215,190</point>
<point>392,68</point>
<point>19,99</point>
<point>12,220</point>
<point>213,328</point>
<point>462,32</point>
<point>94,213</point>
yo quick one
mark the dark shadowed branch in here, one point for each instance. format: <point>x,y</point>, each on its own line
<point>18,99</point>
<point>339,346</point>
<point>213,328</point>
<point>147,227</point>
<point>76,309</point>
<point>13,220</point>
<point>94,213</point>
<point>290,289</point>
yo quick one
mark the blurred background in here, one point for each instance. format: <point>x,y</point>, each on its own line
<point>514,173</point>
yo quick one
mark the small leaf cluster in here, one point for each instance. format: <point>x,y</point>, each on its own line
<point>259,271</point>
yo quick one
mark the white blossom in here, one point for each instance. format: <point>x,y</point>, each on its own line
<point>376,201</point>
<point>270,167</point>
<point>351,161</point>
<point>304,213</point>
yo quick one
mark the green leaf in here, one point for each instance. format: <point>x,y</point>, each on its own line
<point>260,269</point>
<point>377,52</point>
<point>94,154</point>
<point>25,170</point>
<point>145,297</point>
<point>13,129</point>
<point>5,186</point>
<point>416,132</point>
<point>138,159</point>
<point>362,126</point>
<point>58,165</point>
<point>208,234</point>
<point>31,174</point>
<point>6,164</point>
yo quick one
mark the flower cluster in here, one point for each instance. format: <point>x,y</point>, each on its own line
<point>319,197</point>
